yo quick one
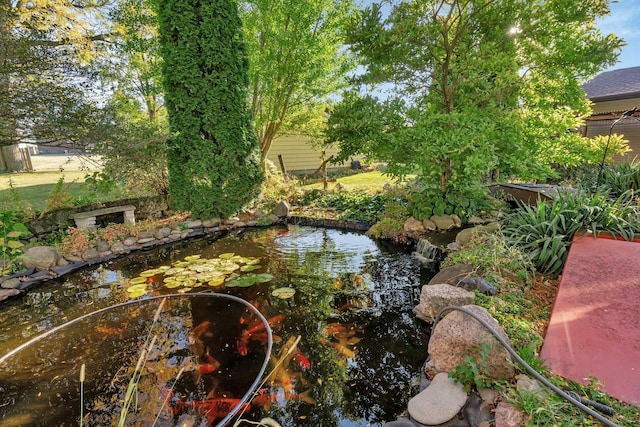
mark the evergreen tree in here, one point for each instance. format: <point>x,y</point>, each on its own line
<point>213,153</point>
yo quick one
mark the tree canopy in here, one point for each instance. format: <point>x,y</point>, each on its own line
<point>479,86</point>
<point>297,62</point>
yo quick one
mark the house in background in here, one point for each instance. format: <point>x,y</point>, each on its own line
<point>613,93</point>
<point>300,156</point>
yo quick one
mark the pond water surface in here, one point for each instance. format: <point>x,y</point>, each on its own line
<point>356,363</point>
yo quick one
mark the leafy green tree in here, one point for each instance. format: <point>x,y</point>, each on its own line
<point>297,62</point>
<point>134,153</point>
<point>479,86</point>
<point>213,153</point>
<point>45,46</point>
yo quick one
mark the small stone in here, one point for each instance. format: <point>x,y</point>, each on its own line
<point>161,233</point>
<point>8,293</point>
<point>129,241</point>
<point>439,402</point>
<point>489,395</point>
<point>145,240</point>
<point>282,209</point>
<point>119,248</point>
<point>429,225</point>
<point>508,415</point>
<point>213,222</point>
<point>145,234</point>
<point>193,223</point>
<point>456,220</point>
<point>273,218</point>
<point>434,298</point>
<point>413,228</point>
<point>40,257</point>
<point>443,222</point>
<point>90,254</point>
<point>252,223</point>
<point>13,283</point>
<point>102,246</point>
<point>453,247</point>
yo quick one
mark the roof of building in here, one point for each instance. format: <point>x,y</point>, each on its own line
<point>616,84</point>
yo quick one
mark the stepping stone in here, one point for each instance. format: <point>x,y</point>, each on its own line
<point>439,402</point>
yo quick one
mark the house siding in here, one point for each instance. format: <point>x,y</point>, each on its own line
<point>630,130</point>
<point>617,105</point>
<point>299,155</point>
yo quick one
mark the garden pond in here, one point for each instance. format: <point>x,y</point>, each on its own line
<point>178,335</point>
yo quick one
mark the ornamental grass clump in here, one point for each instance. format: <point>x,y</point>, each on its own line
<point>545,232</point>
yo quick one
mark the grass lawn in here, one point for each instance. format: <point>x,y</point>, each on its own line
<point>35,187</point>
<point>370,182</point>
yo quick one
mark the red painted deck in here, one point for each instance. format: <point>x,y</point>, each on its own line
<point>595,322</point>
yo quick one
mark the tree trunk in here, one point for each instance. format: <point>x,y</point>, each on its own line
<point>15,159</point>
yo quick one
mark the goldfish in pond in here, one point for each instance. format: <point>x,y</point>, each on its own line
<point>302,360</point>
<point>201,331</point>
<point>207,368</point>
<point>264,398</point>
<point>215,408</point>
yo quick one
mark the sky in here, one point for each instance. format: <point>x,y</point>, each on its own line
<point>623,22</point>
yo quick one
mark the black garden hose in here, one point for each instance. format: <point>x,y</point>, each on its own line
<point>570,397</point>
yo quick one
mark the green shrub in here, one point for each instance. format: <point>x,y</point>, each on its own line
<point>620,178</point>
<point>545,232</point>
<point>354,206</point>
<point>389,229</point>
<point>11,230</point>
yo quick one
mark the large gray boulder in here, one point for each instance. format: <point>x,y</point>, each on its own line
<point>459,335</point>
<point>464,236</point>
<point>434,298</point>
<point>40,257</point>
<point>413,228</point>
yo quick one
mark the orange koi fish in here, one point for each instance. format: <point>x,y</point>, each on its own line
<point>201,331</point>
<point>215,408</point>
<point>265,399</point>
<point>302,360</point>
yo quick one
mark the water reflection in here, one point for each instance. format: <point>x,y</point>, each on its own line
<point>362,377</point>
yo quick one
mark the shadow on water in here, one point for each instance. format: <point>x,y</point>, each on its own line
<point>357,362</point>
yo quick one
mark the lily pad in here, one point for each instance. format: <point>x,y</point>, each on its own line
<point>227,255</point>
<point>283,293</point>
<point>138,280</point>
<point>247,268</point>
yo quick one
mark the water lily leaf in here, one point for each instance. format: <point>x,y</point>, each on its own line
<point>253,261</point>
<point>163,268</point>
<point>227,255</point>
<point>181,264</point>
<point>283,293</point>
<point>217,281</point>
<point>138,280</point>
<point>137,293</point>
<point>247,268</point>
<point>14,234</point>
<point>191,258</point>
<point>150,273</point>
<point>172,285</point>
<point>262,278</point>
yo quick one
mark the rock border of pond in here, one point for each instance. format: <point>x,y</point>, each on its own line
<point>443,289</point>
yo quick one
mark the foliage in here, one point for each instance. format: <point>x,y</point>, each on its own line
<point>60,196</point>
<point>545,232</point>
<point>11,230</point>
<point>389,229</point>
<point>490,254</point>
<point>76,241</point>
<point>297,62</point>
<point>469,96</point>
<point>135,153</point>
<point>620,178</point>
<point>354,206</point>
<point>475,371</point>
<point>24,207</point>
<point>44,82</point>
<point>466,202</point>
<point>276,188</point>
<point>213,153</point>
